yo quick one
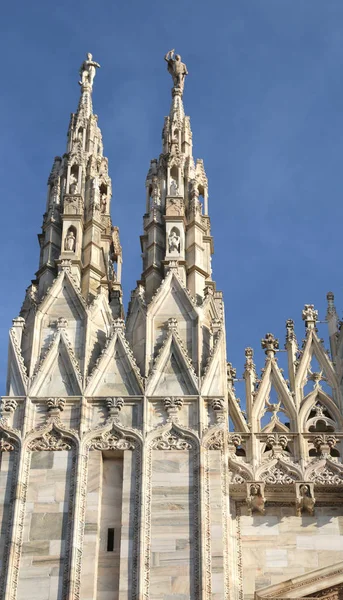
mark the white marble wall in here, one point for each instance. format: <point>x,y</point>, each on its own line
<point>45,526</point>
<point>279,545</point>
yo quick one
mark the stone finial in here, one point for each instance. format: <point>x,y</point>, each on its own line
<point>114,406</point>
<point>331,310</point>
<point>249,360</point>
<point>290,335</point>
<point>270,345</point>
<point>55,406</point>
<point>305,500</point>
<point>172,407</point>
<point>310,316</point>
<point>255,498</point>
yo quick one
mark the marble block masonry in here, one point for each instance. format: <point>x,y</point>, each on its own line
<point>128,468</point>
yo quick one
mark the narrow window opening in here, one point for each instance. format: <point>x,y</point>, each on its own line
<point>110,539</point>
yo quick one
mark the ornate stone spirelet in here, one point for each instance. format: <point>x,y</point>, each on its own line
<point>270,345</point>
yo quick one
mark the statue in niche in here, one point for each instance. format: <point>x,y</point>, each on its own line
<point>174,190</point>
<point>177,69</point>
<point>174,241</point>
<point>255,499</point>
<point>103,203</point>
<point>72,184</point>
<point>70,241</point>
<point>88,70</point>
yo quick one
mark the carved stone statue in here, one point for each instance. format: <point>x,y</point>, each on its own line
<point>70,240</point>
<point>103,203</point>
<point>255,499</point>
<point>177,69</point>
<point>174,190</point>
<point>305,501</point>
<point>88,70</point>
<point>174,241</point>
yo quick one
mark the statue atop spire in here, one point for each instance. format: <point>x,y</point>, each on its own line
<point>177,69</point>
<point>88,71</point>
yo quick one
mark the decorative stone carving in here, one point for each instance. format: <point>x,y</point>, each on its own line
<point>171,440</point>
<point>218,406</point>
<point>177,69</point>
<point>174,207</point>
<point>114,406</point>
<point>55,406</point>
<point>324,443</point>
<point>8,406</point>
<point>51,440</point>
<point>111,440</point>
<point>172,407</point>
<point>255,498</point>
<point>305,500</point>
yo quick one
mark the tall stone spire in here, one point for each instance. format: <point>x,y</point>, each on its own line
<point>77,225</point>
<point>176,223</point>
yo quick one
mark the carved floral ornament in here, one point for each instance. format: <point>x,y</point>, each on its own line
<point>52,440</point>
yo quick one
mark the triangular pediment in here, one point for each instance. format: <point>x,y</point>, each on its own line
<point>58,373</point>
<point>116,373</point>
<point>172,374</point>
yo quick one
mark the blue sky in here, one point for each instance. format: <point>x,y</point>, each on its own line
<point>265,97</point>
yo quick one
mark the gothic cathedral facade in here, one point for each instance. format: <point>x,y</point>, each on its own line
<point>120,478</point>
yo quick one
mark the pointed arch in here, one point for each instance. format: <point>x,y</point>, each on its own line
<point>53,436</point>
<point>112,436</point>
<point>310,401</point>
<point>313,347</point>
<point>279,471</point>
<point>324,471</point>
<point>273,378</point>
<point>172,436</point>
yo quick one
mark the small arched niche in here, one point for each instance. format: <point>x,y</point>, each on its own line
<point>70,239</point>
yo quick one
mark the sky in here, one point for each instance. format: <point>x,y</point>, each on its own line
<point>265,97</point>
